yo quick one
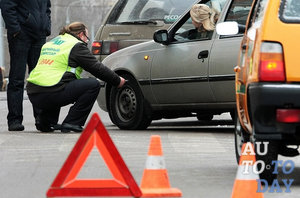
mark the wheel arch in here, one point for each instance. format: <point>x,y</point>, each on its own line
<point>108,86</point>
<point>137,115</point>
<point>246,108</point>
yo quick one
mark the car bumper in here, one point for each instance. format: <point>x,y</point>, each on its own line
<point>265,99</point>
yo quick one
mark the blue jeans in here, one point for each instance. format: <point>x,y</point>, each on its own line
<point>23,51</point>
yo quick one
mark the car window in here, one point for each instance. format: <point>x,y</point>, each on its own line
<point>259,13</point>
<point>218,4</point>
<point>129,11</point>
<point>290,11</point>
<point>256,18</point>
<point>190,32</point>
<point>238,11</point>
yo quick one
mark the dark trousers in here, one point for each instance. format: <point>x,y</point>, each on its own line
<point>23,51</point>
<point>83,93</point>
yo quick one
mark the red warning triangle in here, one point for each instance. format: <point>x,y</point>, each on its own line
<point>66,183</point>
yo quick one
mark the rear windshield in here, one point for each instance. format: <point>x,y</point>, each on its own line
<point>129,11</point>
<point>290,11</point>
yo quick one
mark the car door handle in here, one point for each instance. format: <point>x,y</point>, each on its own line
<point>203,54</point>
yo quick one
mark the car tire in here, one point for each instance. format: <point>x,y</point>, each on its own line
<point>205,117</point>
<point>272,155</point>
<point>240,137</point>
<point>128,109</point>
<point>233,114</point>
<point>1,79</point>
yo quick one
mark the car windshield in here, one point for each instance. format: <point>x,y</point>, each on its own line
<point>290,11</point>
<point>147,11</point>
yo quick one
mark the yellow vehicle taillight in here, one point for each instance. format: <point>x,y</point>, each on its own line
<point>271,66</point>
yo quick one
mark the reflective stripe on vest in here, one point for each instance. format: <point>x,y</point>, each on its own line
<point>53,61</point>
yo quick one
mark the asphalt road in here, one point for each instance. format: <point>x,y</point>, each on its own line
<point>199,157</point>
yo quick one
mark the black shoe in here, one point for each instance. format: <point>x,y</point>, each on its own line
<point>44,128</point>
<point>65,128</point>
<point>56,126</point>
<point>16,127</point>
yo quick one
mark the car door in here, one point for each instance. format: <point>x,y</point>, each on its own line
<point>225,51</point>
<point>179,72</point>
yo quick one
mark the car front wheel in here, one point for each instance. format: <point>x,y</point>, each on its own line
<point>128,109</point>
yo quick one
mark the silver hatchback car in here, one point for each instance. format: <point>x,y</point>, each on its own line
<point>176,75</point>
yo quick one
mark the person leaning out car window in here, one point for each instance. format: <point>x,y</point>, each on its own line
<point>204,19</point>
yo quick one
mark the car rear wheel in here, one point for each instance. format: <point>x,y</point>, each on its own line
<point>128,109</point>
<point>1,79</point>
<point>268,158</point>
<point>240,137</point>
<point>205,117</point>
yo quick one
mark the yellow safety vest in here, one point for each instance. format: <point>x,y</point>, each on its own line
<point>53,61</point>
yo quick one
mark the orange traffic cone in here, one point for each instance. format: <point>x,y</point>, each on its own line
<point>155,181</point>
<point>245,185</point>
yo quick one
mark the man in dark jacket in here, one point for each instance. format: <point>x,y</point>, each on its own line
<point>28,22</point>
<point>56,82</point>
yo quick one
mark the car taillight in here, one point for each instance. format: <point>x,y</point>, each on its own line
<point>271,66</point>
<point>104,47</point>
<point>113,46</point>
<point>96,47</point>
<point>288,115</point>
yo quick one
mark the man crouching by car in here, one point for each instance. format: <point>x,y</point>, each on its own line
<point>55,81</point>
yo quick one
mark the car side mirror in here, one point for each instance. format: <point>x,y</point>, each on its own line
<point>161,36</point>
<point>227,28</point>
